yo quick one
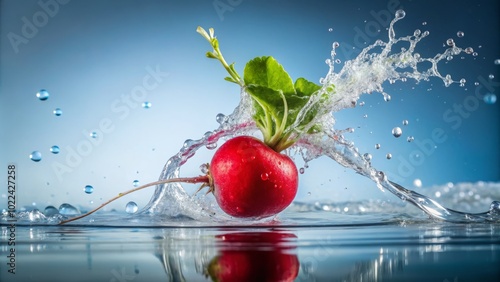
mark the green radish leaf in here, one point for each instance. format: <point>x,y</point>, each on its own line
<point>304,87</point>
<point>267,72</point>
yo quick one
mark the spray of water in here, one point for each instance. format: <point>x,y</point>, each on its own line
<point>366,73</point>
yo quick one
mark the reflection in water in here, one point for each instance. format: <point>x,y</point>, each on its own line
<point>407,252</point>
<point>239,256</point>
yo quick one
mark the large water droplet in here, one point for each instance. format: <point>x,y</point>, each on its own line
<point>36,156</point>
<point>400,14</point>
<point>67,209</point>
<point>57,112</point>
<point>55,149</point>
<point>396,131</point>
<point>88,189</point>
<point>50,211</point>
<point>42,95</point>
<point>135,183</point>
<point>490,98</point>
<point>220,118</point>
<point>131,207</point>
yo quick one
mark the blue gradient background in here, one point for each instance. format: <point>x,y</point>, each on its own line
<point>91,53</point>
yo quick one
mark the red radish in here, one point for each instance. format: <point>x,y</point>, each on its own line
<point>252,180</point>
<point>254,256</point>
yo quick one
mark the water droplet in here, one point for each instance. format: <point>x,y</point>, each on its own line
<point>377,146</point>
<point>211,146</point>
<point>387,97</point>
<point>264,176</point>
<point>462,82</point>
<point>146,105</point>
<point>50,211</point>
<point>338,61</point>
<point>67,209</point>
<point>417,183</point>
<point>417,32</point>
<point>396,131</point>
<point>36,156</point>
<point>450,42</point>
<point>361,103</point>
<point>496,62</point>
<point>220,118</point>
<point>135,183</point>
<point>495,207</point>
<point>424,23</point>
<point>410,139</point>
<point>88,189</point>
<point>469,50</point>
<point>308,193</point>
<point>400,14</point>
<point>330,29</point>
<point>476,83</point>
<point>367,156</point>
<point>204,168</point>
<point>475,54</point>
<point>42,95</point>
<point>301,170</point>
<point>335,44</point>
<point>131,207</point>
<point>388,156</point>
<point>55,149</point>
<point>93,134</point>
<point>365,116</point>
<point>460,34</point>
<point>490,98</point>
<point>405,122</point>
<point>57,112</point>
<point>491,76</point>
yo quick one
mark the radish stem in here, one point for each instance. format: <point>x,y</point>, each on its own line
<point>205,179</point>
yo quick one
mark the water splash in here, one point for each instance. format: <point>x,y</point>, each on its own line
<point>366,73</point>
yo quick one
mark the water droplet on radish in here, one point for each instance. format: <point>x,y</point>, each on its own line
<point>264,176</point>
